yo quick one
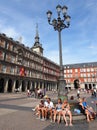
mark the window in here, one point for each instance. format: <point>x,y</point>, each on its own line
<point>1,55</point>
<point>84,70</point>
<point>12,59</point>
<point>64,71</point>
<point>85,80</point>
<point>2,43</point>
<point>81,70</point>
<point>84,75</point>
<point>18,70</point>
<point>67,66</point>
<point>76,70</point>
<point>88,69</point>
<point>64,76</point>
<point>4,69</point>
<point>92,69</point>
<point>68,81</point>
<point>89,75</point>
<point>12,70</point>
<point>8,57</point>
<point>89,80</point>
<point>68,71</point>
<point>81,75</point>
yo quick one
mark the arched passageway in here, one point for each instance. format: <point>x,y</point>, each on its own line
<point>76,83</point>
<point>9,86</point>
<point>23,86</point>
<point>90,86</point>
<point>17,84</point>
<point>86,86</point>
<point>1,85</point>
<point>28,85</point>
<point>40,84</point>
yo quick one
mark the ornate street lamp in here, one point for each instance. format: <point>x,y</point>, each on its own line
<point>59,24</point>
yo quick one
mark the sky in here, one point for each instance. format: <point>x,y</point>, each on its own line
<point>18,18</point>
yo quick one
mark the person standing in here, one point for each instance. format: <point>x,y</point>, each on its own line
<point>94,92</point>
<point>78,93</point>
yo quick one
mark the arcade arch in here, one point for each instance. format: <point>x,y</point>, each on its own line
<point>9,89</point>
<point>76,83</point>
<point>1,85</point>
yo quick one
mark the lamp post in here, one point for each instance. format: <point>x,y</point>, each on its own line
<point>59,24</point>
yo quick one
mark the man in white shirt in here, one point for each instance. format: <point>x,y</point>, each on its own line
<point>48,108</point>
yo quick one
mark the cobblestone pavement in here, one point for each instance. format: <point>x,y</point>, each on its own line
<point>16,114</point>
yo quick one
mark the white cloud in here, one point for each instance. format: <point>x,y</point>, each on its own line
<point>10,32</point>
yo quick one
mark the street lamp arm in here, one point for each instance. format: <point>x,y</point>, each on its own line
<point>58,24</point>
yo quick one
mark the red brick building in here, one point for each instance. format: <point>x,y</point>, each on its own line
<point>82,74</point>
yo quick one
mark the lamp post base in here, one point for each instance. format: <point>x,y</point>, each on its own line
<point>62,91</point>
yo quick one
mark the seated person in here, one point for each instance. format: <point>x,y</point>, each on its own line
<point>66,111</point>
<point>38,109</point>
<point>90,113</point>
<point>48,108</point>
<point>81,108</point>
<point>58,110</point>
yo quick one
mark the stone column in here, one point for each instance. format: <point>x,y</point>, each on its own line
<point>35,84</point>
<point>56,86</point>
<point>30,86</point>
<point>88,86</point>
<point>26,83</point>
<point>42,85</point>
<point>20,85</point>
<point>6,85</point>
<point>14,84</point>
<point>39,85</point>
<point>91,85</point>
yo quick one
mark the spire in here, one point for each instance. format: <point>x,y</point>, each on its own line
<point>37,47</point>
<point>37,35</point>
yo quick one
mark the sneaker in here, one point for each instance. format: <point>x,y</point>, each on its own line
<point>38,118</point>
<point>51,121</point>
<point>43,119</point>
<point>33,109</point>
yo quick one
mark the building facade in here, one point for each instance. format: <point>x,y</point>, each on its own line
<point>25,68</point>
<point>83,75</point>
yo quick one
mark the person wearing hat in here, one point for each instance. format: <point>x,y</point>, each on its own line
<point>45,96</point>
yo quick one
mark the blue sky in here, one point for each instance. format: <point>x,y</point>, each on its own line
<point>79,41</point>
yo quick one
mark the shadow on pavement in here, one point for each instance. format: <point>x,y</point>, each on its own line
<point>76,126</point>
<point>15,107</point>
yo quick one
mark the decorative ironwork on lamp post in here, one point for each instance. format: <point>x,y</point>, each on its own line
<point>59,24</point>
